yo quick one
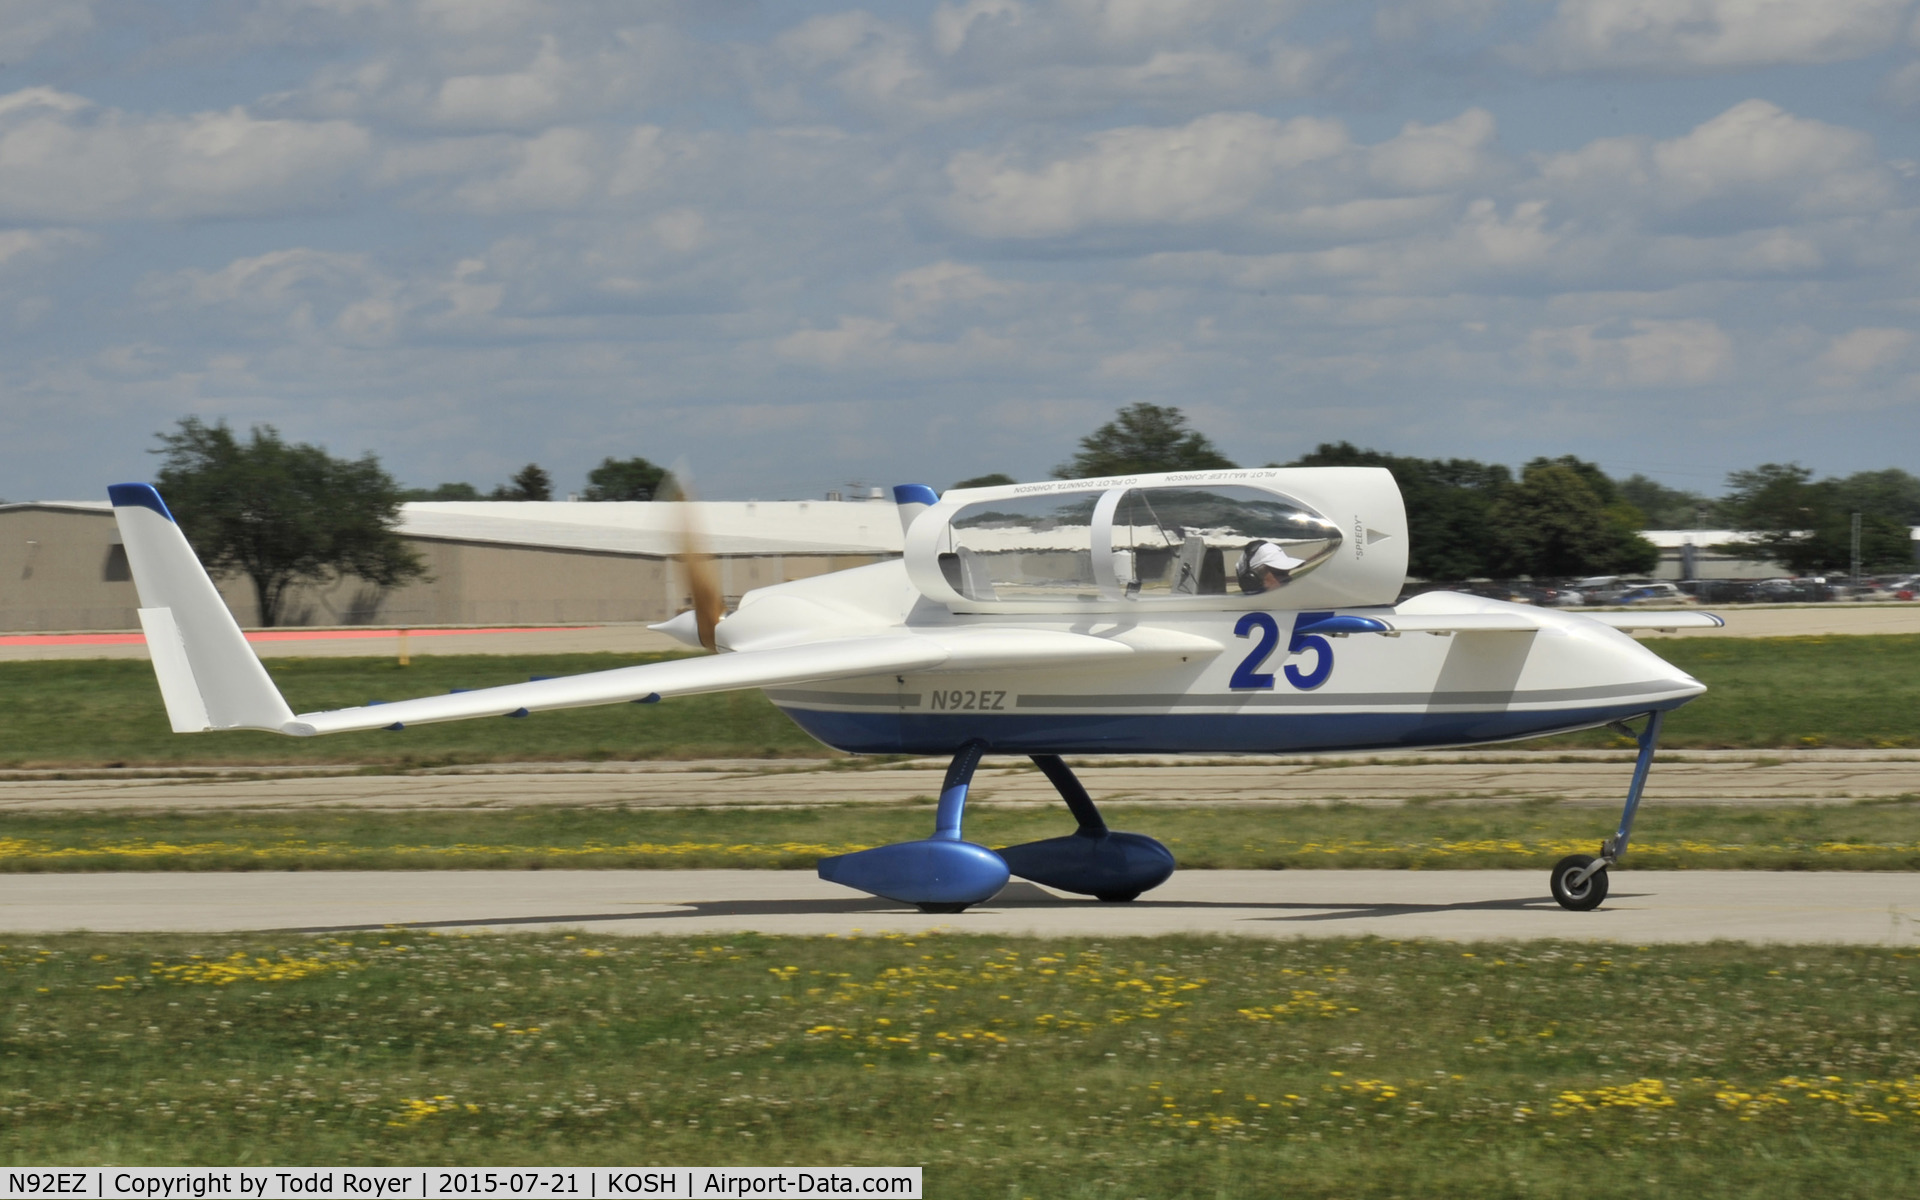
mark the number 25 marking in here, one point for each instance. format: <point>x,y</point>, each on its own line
<point>1248,673</point>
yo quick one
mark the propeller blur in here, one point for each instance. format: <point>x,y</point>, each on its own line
<point>1218,612</point>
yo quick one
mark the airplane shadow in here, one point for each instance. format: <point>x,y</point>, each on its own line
<point>1013,896</point>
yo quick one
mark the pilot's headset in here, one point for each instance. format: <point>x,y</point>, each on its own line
<point>1258,557</point>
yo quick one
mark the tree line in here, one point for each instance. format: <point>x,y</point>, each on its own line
<point>285,514</point>
<point>1559,518</point>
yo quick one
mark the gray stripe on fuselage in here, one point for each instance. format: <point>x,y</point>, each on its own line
<point>1264,699</point>
<point>852,699</point>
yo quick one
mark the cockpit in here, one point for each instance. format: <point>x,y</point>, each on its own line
<point>1155,541</point>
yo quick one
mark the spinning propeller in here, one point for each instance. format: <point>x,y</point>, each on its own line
<point>703,578</point>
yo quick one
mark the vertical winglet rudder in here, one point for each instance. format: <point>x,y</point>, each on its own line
<point>912,500</point>
<point>209,677</point>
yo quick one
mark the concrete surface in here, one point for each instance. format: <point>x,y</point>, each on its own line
<point>1680,777</point>
<point>1857,908</point>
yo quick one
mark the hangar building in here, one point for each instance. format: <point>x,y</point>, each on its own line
<point>488,562</point>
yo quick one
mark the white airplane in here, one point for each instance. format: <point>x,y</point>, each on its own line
<point>1215,612</point>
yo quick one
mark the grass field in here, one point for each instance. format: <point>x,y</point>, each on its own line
<point>1869,835</point>
<point>95,711</point>
<point>1766,692</point>
<point>1126,1068</point>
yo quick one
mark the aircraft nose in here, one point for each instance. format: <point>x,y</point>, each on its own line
<point>1687,685</point>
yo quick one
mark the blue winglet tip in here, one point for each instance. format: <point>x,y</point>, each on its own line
<point>914,493</point>
<point>1338,623</point>
<point>137,495</point>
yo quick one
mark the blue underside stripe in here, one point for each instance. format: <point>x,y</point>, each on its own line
<point>1191,733</point>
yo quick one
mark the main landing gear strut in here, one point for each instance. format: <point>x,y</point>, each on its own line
<point>1580,880</point>
<point>943,874</point>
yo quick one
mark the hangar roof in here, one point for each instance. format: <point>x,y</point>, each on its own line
<point>637,527</point>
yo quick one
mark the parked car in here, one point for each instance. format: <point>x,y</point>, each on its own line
<point>1654,593</point>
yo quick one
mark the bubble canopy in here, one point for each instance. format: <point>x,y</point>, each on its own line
<point>1279,538</point>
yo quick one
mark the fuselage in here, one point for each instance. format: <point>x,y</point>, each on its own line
<point>1267,690</point>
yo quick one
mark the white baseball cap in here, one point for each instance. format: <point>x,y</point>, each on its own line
<point>1270,555</point>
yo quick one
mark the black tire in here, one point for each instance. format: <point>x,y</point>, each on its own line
<point>1586,896</point>
<point>946,907</point>
<point>1116,897</point>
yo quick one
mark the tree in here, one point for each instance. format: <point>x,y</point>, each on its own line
<point>1624,551</point>
<point>282,514</point>
<point>1891,493</point>
<point>531,483</point>
<point>1669,508</point>
<point>994,480</point>
<point>1807,526</point>
<point>1141,439</point>
<point>625,479</point>
<point>446,491</point>
<point>1557,524</point>
<point>1449,508</point>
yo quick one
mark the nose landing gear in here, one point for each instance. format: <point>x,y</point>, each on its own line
<point>1579,881</point>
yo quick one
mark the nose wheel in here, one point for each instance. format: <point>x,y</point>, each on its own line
<point>1579,882</point>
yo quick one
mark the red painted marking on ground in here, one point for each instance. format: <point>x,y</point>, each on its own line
<point>266,635</point>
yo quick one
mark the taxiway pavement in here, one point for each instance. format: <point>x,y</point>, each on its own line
<point>1646,907</point>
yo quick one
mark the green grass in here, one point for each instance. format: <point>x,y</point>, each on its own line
<point>1766,693</point>
<point>1056,1068</point>
<point>90,712</point>
<point>1870,835</point>
<point>1790,692</point>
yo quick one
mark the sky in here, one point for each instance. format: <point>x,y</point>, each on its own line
<point>799,245</point>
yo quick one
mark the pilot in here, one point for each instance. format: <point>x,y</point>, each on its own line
<point>1264,566</point>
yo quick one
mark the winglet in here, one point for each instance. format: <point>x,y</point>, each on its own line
<point>913,499</point>
<point>209,677</point>
<point>141,495</point>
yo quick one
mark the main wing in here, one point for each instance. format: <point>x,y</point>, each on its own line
<point>211,679</point>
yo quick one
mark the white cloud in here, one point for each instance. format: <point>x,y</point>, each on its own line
<point>20,247</point>
<point>1682,36</point>
<point>1431,158</point>
<point>331,298</point>
<point>1092,27</point>
<point>1862,351</point>
<point>1633,354</point>
<point>1009,57</point>
<point>554,170</point>
<point>492,77</point>
<point>63,159</point>
<point>1213,167</point>
<point>1902,86</point>
<point>945,287</point>
<point>1753,163</point>
<point>854,339</point>
<point>27,24</point>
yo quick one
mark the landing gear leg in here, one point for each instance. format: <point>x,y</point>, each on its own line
<point>1093,860</point>
<point>952,809</point>
<point>1580,880</point>
<point>940,874</point>
<point>1081,805</point>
